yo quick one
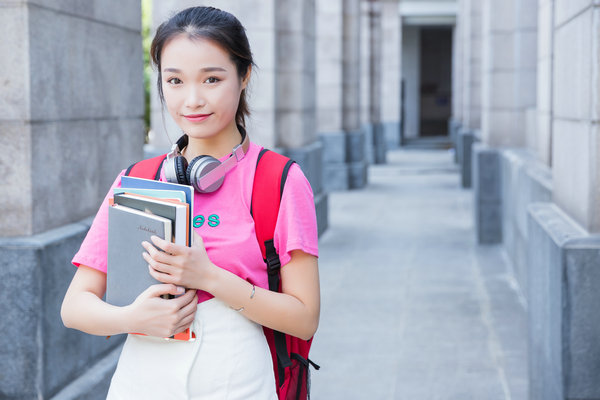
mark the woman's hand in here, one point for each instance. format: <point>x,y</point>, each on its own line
<point>180,265</point>
<point>155,316</point>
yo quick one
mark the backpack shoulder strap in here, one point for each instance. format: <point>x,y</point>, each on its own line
<point>269,180</point>
<point>148,169</point>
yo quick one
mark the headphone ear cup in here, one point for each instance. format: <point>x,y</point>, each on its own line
<point>198,168</point>
<point>181,166</point>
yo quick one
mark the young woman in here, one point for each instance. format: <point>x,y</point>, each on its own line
<point>204,64</point>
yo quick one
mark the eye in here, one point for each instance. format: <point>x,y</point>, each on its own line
<point>174,81</point>
<point>212,79</point>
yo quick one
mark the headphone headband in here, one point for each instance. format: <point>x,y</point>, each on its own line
<point>204,173</point>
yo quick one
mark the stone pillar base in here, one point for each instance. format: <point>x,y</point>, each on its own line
<point>453,129</point>
<point>391,131</point>
<point>356,151</point>
<point>465,140</point>
<point>35,272</point>
<point>335,169</point>
<point>487,194</point>
<point>310,159</point>
<point>379,144</point>
<point>563,282</point>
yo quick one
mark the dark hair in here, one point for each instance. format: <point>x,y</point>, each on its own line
<point>213,24</point>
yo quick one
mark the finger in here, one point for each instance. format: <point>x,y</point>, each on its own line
<point>185,323</point>
<point>166,246</point>
<point>182,327</point>
<point>185,299</point>
<point>156,254</point>
<point>163,288</point>
<point>189,308</point>
<point>159,276</point>
<point>157,265</point>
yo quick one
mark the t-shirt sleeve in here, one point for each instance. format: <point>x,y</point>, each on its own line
<point>296,227</point>
<point>94,248</point>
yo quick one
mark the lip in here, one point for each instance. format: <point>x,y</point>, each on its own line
<point>196,117</point>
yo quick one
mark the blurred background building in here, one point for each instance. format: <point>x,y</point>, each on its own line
<point>511,85</point>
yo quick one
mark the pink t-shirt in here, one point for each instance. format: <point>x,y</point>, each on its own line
<point>223,220</point>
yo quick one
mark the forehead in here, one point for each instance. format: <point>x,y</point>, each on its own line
<point>183,51</point>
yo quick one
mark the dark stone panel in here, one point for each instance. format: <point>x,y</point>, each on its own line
<point>465,142</point>
<point>563,300</point>
<point>355,146</point>
<point>487,194</point>
<point>391,131</point>
<point>379,144</point>
<point>336,177</point>
<point>310,159</point>
<point>35,273</point>
<point>357,175</point>
<point>334,147</point>
<point>21,330</point>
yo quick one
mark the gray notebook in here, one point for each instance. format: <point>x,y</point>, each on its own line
<point>127,271</point>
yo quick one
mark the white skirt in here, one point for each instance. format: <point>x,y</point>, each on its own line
<point>229,359</point>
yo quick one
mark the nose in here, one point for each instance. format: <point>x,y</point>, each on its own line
<point>194,98</point>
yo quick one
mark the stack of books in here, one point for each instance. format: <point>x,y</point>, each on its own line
<point>139,209</point>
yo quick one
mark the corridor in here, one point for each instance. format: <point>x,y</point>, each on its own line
<point>412,307</point>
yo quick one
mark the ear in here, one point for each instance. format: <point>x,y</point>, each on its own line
<point>246,79</point>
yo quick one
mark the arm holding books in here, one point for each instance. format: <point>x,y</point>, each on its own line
<point>84,309</point>
<point>295,311</point>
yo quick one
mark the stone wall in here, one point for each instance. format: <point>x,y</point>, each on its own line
<point>70,120</point>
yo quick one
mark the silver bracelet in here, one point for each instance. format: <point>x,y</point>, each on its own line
<point>251,296</point>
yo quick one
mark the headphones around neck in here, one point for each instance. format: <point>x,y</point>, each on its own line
<point>204,173</point>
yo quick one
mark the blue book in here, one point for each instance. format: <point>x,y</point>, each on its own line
<point>131,182</point>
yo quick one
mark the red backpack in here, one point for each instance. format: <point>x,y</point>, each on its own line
<point>290,354</point>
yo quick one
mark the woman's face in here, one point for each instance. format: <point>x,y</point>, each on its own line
<point>201,86</point>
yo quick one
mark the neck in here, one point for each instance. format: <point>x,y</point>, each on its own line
<point>217,146</point>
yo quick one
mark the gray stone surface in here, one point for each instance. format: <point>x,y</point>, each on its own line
<point>391,132</point>
<point>77,69</point>
<point>564,297</point>
<point>464,142</point>
<point>524,181</point>
<point>486,175</point>
<point>453,129</point>
<point>334,147</point>
<point>34,275</point>
<point>367,130</point>
<point>336,176</point>
<point>412,308</point>
<point>379,144</point>
<point>94,383</point>
<point>70,187</point>
<point>310,159</point>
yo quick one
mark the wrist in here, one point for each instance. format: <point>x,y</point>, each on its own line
<point>211,278</point>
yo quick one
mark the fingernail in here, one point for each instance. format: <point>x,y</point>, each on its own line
<point>180,289</point>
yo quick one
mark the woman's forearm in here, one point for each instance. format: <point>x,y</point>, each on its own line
<point>280,311</point>
<point>86,312</point>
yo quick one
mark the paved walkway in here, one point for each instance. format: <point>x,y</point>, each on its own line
<point>412,308</point>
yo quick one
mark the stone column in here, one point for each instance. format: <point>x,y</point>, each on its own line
<point>71,109</point>
<point>508,91</point>
<point>375,76</point>
<point>545,68</point>
<point>457,86</point>
<point>471,64</point>
<point>365,84</point>
<point>470,17</point>
<point>330,90</point>
<point>295,93</point>
<point>355,98</point>
<point>390,72</point>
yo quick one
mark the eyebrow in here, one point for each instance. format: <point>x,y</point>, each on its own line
<point>207,69</point>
